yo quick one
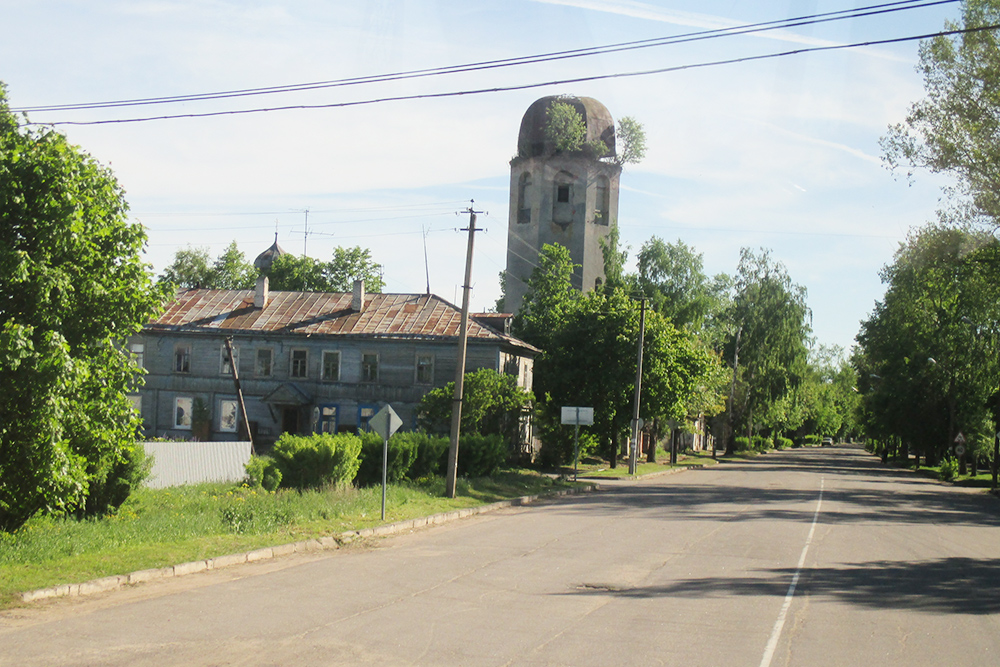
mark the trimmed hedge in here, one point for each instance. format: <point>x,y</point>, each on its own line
<point>481,455</point>
<point>320,459</point>
<point>432,454</point>
<point>401,455</point>
<point>782,443</point>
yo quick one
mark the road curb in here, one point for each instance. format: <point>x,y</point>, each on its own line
<point>328,542</point>
<point>633,478</point>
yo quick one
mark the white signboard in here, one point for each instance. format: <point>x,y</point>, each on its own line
<point>385,422</point>
<point>579,416</point>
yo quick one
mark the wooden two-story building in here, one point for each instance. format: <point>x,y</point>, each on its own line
<point>307,361</point>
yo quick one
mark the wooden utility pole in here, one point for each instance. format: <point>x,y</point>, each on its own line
<point>463,335</point>
<point>239,391</point>
<point>730,441</point>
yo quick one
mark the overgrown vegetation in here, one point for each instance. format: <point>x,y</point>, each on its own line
<point>157,528</point>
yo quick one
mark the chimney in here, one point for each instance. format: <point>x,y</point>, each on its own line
<point>261,296</point>
<point>358,298</point>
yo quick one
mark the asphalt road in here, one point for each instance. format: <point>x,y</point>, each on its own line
<point>806,557</point>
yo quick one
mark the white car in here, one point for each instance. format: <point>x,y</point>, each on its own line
<point>828,442</point>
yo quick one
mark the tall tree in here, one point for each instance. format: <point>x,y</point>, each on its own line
<point>770,314</point>
<point>231,270</point>
<point>956,128</point>
<point>191,269</point>
<point>73,286</point>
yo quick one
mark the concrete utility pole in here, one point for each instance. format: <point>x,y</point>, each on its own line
<point>463,334</point>
<point>634,454</point>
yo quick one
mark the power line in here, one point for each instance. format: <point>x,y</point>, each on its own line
<point>528,86</point>
<point>839,15</point>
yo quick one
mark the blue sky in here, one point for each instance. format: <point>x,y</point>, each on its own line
<point>780,153</point>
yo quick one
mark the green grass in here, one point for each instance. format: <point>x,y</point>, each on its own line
<point>159,528</point>
<point>983,480</point>
<point>592,468</point>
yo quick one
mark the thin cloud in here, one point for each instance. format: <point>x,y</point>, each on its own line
<point>641,10</point>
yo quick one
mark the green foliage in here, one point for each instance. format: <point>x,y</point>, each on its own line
<point>771,318</point>
<point>263,472</point>
<point>254,514</point>
<point>812,439</point>
<point>305,274</point>
<point>317,460</point>
<point>953,129</point>
<point>432,454</point>
<point>948,470</point>
<point>402,454</point>
<point>73,286</point>
<point>926,360</point>
<point>630,138</point>
<point>113,483</point>
<point>558,440</point>
<point>481,455</point>
<point>742,444</point>
<point>492,403</point>
<point>782,443</point>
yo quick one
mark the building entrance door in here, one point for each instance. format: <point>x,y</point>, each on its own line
<point>290,420</point>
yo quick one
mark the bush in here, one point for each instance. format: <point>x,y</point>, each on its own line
<point>320,459</point>
<point>263,472</point>
<point>431,454</point>
<point>114,481</point>
<point>762,444</point>
<point>481,455</point>
<point>742,444</point>
<point>948,470</point>
<point>782,443</point>
<point>812,440</point>
<point>402,453</point>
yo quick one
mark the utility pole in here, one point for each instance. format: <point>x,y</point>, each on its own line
<point>305,234</point>
<point>463,334</point>
<point>634,454</point>
<point>239,391</point>
<point>730,444</point>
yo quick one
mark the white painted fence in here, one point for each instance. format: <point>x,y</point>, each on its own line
<point>178,463</point>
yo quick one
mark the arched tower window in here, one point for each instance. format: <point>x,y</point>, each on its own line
<point>524,199</point>
<point>602,212</point>
<point>562,198</point>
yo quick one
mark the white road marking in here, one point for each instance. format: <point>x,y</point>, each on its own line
<point>772,643</point>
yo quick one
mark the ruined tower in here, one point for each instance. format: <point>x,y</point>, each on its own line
<point>564,197</point>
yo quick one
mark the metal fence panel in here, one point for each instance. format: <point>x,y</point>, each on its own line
<point>178,463</point>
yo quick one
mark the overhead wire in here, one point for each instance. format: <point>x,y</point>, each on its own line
<point>745,29</point>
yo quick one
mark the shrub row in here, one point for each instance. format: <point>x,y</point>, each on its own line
<point>324,459</point>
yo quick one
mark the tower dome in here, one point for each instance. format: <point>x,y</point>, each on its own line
<point>266,258</point>
<point>532,142</point>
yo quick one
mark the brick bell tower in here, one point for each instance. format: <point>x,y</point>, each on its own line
<point>564,197</point>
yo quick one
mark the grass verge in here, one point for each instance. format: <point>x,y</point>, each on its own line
<point>159,528</point>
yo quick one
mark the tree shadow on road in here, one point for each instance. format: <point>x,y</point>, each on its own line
<point>947,585</point>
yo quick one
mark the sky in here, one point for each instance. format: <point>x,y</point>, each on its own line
<point>779,153</point>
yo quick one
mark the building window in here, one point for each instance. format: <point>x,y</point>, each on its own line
<point>328,419</point>
<point>136,401</point>
<point>524,200</point>
<point>562,194</point>
<point>369,367</point>
<point>425,369</point>
<point>601,204</point>
<point>263,367</point>
<point>365,414</point>
<point>182,412</point>
<point>300,364</point>
<point>138,351</point>
<point>331,366</point>
<point>182,359</point>
<point>224,367</point>
<point>228,416</point>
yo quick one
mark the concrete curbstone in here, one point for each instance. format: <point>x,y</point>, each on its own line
<point>282,550</point>
<point>226,561</point>
<point>260,554</point>
<point>101,585</point>
<point>149,575</point>
<point>190,568</point>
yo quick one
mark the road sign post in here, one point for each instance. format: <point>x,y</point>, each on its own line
<point>576,416</point>
<point>385,422</point>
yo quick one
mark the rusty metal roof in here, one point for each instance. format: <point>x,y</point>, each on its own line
<point>323,313</point>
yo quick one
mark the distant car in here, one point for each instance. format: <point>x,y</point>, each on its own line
<point>827,442</point>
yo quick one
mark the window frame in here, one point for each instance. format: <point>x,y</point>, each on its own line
<point>138,352</point>
<point>224,360</point>
<point>417,367</point>
<point>365,365</point>
<point>292,365</point>
<point>184,423</point>
<point>270,362</point>
<point>182,359</point>
<point>323,374</point>
<point>234,406</point>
